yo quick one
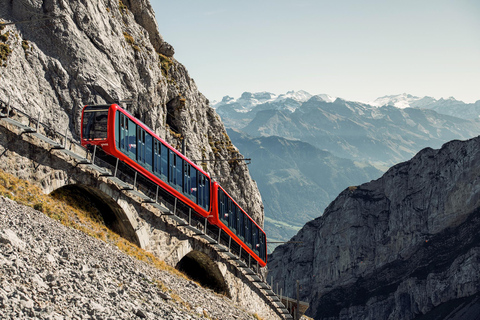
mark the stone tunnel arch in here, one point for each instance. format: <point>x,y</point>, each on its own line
<point>113,215</point>
<point>199,267</point>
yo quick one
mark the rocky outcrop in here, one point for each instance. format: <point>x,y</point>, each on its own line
<point>66,54</point>
<point>400,247</point>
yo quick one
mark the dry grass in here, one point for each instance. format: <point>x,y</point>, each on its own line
<point>69,210</point>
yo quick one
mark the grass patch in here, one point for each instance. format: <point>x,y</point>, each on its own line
<point>5,51</point>
<point>131,41</point>
<point>4,37</point>
<point>25,45</point>
<point>165,64</point>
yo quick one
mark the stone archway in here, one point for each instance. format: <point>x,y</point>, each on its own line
<point>112,214</point>
<point>199,267</point>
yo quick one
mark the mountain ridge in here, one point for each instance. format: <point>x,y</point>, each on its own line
<point>400,246</point>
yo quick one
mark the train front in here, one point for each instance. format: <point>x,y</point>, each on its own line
<point>95,125</point>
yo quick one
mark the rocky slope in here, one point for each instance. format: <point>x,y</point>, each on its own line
<point>66,54</point>
<point>405,246</point>
<point>49,271</point>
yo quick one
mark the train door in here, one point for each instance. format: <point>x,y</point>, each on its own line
<point>222,207</point>
<point>190,181</point>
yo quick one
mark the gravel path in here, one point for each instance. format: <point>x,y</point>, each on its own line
<point>49,271</point>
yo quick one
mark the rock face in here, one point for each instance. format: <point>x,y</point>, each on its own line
<point>400,247</point>
<point>103,51</point>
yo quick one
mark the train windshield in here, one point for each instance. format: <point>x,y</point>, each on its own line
<point>95,121</point>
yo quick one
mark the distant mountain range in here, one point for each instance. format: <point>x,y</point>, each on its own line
<point>306,148</point>
<point>297,180</point>
<point>450,106</point>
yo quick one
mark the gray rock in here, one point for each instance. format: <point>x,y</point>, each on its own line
<point>7,236</point>
<point>394,248</point>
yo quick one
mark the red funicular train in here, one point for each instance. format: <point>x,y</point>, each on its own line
<point>121,135</point>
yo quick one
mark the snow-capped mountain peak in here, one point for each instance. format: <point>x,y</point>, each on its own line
<point>401,101</point>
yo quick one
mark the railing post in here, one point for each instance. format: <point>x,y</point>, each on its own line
<point>240,254</point>
<point>297,310</point>
<point>205,231</point>
<point>94,151</point>
<point>229,243</point>
<point>156,195</point>
<point>219,232</point>
<point>116,168</point>
<point>135,180</point>
<point>189,216</point>
<point>175,207</point>
<point>38,122</point>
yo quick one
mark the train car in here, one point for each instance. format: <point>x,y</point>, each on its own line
<point>123,136</point>
<point>238,224</point>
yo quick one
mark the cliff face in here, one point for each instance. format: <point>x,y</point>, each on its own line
<point>400,247</point>
<point>103,51</point>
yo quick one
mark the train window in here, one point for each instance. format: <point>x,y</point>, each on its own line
<point>95,123</point>
<point>193,183</point>
<point>255,241</point>
<point>164,161</point>
<point>262,246</point>
<point>190,181</point>
<point>171,167</point>
<point>176,171</point>
<point>131,139</point>
<point>179,172</point>
<point>127,136</point>
<point>241,227</point>
<point>149,151</point>
<point>233,218</point>
<point>140,145</point>
<point>203,198</point>
<point>156,157</point>
<point>122,131</point>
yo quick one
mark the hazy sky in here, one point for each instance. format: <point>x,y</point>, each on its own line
<point>354,49</point>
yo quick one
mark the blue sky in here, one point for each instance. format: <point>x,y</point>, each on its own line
<point>354,49</point>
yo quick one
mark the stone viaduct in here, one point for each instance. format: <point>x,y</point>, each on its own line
<point>30,151</point>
